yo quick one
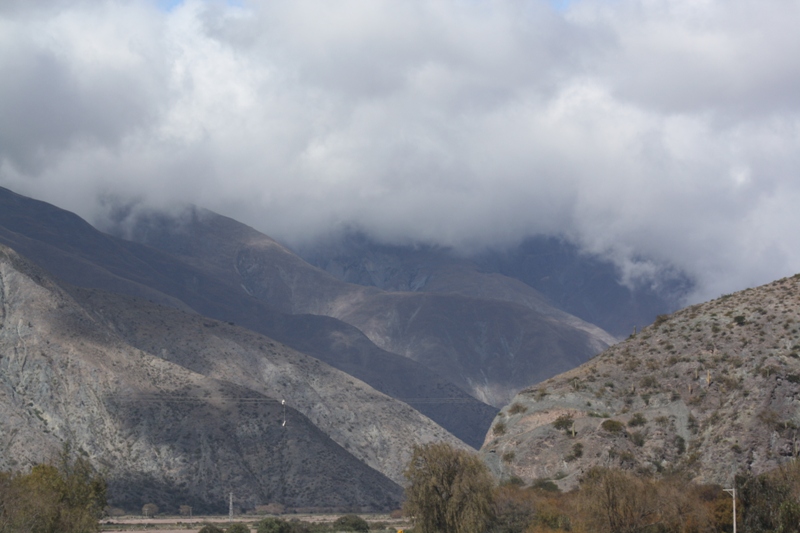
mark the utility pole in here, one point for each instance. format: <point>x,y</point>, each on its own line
<point>230,509</point>
<point>732,492</point>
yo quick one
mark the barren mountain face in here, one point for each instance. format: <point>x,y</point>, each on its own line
<point>193,379</point>
<point>375,428</point>
<point>200,269</point>
<point>489,343</point>
<point>147,393</point>
<point>713,389</point>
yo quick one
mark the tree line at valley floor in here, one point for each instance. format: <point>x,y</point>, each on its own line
<point>451,491</point>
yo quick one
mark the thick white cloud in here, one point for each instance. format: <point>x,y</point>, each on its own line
<point>661,133</point>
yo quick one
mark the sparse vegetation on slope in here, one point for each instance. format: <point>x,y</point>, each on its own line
<point>709,391</point>
<point>162,431</point>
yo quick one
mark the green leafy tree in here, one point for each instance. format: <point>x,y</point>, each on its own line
<point>351,522</point>
<point>150,510</point>
<point>83,496</point>
<point>68,498</point>
<point>449,491</point>
<point>211,528</point>
<point>274,525</point>
<point>238,528</point>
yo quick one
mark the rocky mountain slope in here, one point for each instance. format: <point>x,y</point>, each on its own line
<point>544,273</point>
<point>180,409</point>
<point>205,282</point>
<point>375,428</point>
<point>489,347</point>
<point>713,389</point>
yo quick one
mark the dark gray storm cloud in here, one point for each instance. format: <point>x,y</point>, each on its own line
<point>660,133</point>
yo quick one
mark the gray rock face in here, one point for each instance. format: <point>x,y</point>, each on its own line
<point>200,270</point>
<point>375,428</point>
<point>180,409</point>
<point>488,342</point>
<point>713,389</point>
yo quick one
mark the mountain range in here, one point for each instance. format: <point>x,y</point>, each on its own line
<point>547,274</point>
<point>488,345</point>
<point>175,336</point>
<point>188,356</point>
<point>181,409</point>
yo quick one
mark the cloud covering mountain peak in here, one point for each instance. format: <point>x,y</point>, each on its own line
<point>662,134</point>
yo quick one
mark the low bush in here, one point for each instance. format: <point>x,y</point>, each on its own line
<point>351,522</point>
<point>546,485</point>
<point>563,422</point>
<point>274,525</point>
<point>637,419</point>
<point>517,408</point>
<point>612,426</point>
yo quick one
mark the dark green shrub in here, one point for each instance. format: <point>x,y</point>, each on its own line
<point>499,428</point>
<point>649,382</point>
<point>612,426</point>
<point>577,452</point>
<point>546,485</point>
<point>273,525</point>
<point>238,528</point>
<point>563,422</point>
<point>637,419</point>
<point>351,522</point>
<point>660,319</point>
<point>691,424</point>
<point>680,445</point>
<point>517,408</point>
<point>210,528</point>
<point>513,481</point>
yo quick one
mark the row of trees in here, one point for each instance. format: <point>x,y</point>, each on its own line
<point>349,523</point>
<point>67,497</point>
<point>451,491</point>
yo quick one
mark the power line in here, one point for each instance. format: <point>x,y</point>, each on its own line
<point>195,399</point>
<point>190,399</point>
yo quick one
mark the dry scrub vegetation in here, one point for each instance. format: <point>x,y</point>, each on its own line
<point>708,392</point>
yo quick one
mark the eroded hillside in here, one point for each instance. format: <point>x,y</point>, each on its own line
<point>713,389</point>
<point>149,398</point>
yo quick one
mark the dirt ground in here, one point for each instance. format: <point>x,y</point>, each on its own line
<point>165,525</point>
<point>182,524</point>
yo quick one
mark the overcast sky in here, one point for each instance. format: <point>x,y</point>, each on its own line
<point>661,133</point>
